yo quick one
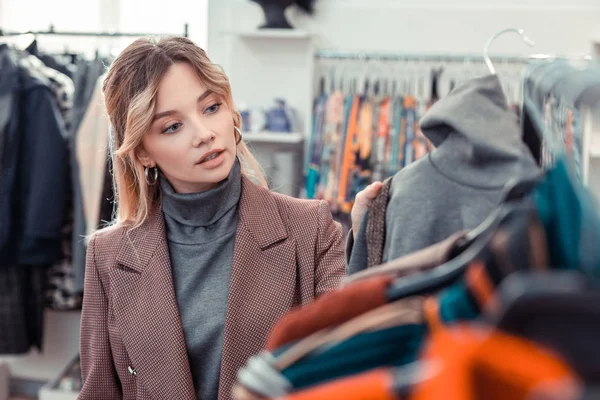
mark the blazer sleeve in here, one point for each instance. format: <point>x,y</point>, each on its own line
<point>330,266</point>
<point>100,379</point>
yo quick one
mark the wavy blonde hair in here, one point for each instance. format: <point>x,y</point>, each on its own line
<point>130,91</point>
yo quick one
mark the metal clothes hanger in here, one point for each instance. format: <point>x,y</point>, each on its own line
<point>486,48</point>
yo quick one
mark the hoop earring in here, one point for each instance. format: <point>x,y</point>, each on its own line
<point>239,132</point>
<point>151,182</point>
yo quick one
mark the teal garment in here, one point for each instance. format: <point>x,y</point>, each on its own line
<point>456,304</point>
<point>312,178</point>
<point>572,224</point>
<point>394,346</point>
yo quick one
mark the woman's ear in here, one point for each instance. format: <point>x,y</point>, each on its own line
<point>144,158</point>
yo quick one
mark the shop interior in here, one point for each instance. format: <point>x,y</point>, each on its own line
<point>403,56</point>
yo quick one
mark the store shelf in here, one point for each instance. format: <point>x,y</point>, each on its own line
<point>274,138</point>
<point>272,34</point>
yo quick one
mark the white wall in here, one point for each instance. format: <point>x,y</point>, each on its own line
<point>427,26</point>
<point>424,26</point>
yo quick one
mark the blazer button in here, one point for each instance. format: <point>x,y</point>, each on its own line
<point>131,370</point>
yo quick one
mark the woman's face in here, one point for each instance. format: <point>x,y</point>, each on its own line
<point>191,139</point>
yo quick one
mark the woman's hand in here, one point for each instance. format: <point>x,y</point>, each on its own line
<point>361,203</point>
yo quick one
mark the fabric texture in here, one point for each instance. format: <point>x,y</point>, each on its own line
<point>478,151</point>
<point>201,235</point>
<point>330,310</point>
<point>376,225</point>
<point>130,318</point>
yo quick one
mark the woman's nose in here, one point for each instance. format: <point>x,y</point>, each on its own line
<point>202,134</point>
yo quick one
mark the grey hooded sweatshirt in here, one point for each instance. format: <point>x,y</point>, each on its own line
<point>478,151</point>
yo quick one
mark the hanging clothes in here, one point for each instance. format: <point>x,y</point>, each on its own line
<point>331,340</point>
<point>34,187</point>
<point>358,139</point>
<point>87,81</point>
<point>462,181</point>
<point>34,172</point>
<point>22,308</point>
<point>91,144</point>
<point>524,282</point>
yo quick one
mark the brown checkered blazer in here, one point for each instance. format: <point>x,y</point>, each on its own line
<point>287,252</point>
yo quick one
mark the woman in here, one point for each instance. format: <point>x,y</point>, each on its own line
<point>201,261</point>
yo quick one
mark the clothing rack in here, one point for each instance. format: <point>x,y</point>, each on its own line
<point>52,31</point>
<point>367,56</point>
<point>559,101</point>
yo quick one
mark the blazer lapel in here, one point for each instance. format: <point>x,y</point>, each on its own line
<point>263,281</point>
<point>146,312</point>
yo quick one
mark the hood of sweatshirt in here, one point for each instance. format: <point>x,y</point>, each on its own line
<point>477,137</point>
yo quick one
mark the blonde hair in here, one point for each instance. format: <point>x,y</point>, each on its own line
<point>130,90</point>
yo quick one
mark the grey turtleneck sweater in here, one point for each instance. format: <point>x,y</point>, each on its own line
<point>201,231</point>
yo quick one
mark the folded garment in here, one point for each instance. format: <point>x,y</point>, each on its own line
<point>405,311</point>
<point>394,346</point>
<point>330,310</point>
<point>461,363</point>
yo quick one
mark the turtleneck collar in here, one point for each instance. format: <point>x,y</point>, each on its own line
<point>203,208</point>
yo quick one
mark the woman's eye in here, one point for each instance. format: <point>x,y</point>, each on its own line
<point>172,128</point>
<point>214,108</point>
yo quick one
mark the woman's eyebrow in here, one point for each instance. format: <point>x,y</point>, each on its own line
<point>171,112</point>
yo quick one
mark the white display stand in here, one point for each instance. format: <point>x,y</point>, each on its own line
<point>279,63</point>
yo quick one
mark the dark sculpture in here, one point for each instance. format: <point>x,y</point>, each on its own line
<point>274,11</point>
